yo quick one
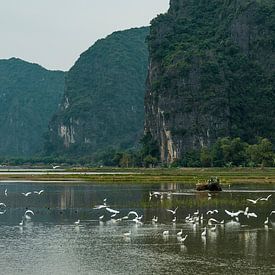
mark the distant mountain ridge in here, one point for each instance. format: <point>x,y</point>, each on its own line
<point>103,103</point>
<point>29,96</point>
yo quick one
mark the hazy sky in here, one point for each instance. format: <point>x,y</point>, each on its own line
<point>53,33</point>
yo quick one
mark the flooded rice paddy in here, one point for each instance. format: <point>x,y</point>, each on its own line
<point>76,229</point>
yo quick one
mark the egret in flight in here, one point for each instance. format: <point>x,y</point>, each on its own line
<point>253,201</point>
<point>26,194</point>
<point>266,199</point>
<point>38,192</point>
<point>172,211</point>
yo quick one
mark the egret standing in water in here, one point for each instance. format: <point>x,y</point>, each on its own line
<point>179,233</point>
<point>183,239</point>
<point>203,234</point>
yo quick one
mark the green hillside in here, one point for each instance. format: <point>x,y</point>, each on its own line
<point>103,104</point>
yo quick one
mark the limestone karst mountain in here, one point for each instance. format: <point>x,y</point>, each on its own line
<point>103,103</point>
<point>211,74</point>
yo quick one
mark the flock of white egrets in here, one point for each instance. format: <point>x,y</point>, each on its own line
<point>207,220</point>
<point>26,217</point>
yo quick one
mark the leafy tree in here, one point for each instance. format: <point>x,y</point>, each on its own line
<point>150,161</point>
<point>149,147</point>
<point>261,153</point>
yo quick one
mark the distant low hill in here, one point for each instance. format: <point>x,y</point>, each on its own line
<point>103,103</point>
<point>29,96</point>
<point>211,75</point>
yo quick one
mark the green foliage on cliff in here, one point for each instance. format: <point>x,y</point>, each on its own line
<point>103,105</point>
<point>214,67</point>
<point>29,96</point>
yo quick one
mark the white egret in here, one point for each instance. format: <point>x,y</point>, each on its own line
<point>2,204</point>
<point>172,211</point>
<point>155,194</point>
<point>266,221</point>
<point>197,212</point>
<point>27,216</point>
<point>6,192</point>
<point>188,217</point>
<point>21,223</point>
<point>101,206</point>
<point>203,234</point>
<point>174,220</point>
<point>133,213</point>
<point>165,233</point>
<point>253,201</point>
<point>26,194</point>
<point>183,239</point>
<point>55,166</point>
<point>155,219</point>
<point>266,199</point>
<point>77,222</point>
<point>112,210</point>
<point>38,192</point>
<point>233,214</point>
<point>252,215</point>
<point>211,212</point>
<point>179,233</point>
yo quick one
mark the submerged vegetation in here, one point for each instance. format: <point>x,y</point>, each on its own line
<point>157,175</point>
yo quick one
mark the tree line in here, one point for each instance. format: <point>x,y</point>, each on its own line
<point>225,152</point>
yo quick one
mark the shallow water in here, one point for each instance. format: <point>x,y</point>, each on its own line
<point>50,243</point>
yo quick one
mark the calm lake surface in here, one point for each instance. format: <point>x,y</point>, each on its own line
<point>51,243</point>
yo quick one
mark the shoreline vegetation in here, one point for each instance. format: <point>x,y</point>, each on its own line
<point>154,175</point>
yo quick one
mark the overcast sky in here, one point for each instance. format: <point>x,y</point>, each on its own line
<point>53,33</point>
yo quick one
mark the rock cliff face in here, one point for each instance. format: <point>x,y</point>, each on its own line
<point>211,74</point>
<point>29,96</point>
<point>103,104</point>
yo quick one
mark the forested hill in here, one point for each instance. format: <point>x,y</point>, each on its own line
<point>29,96</point>
<point>103,104</point>
<point>212,74</point>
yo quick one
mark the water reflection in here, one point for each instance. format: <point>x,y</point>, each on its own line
<point>52,236</point>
